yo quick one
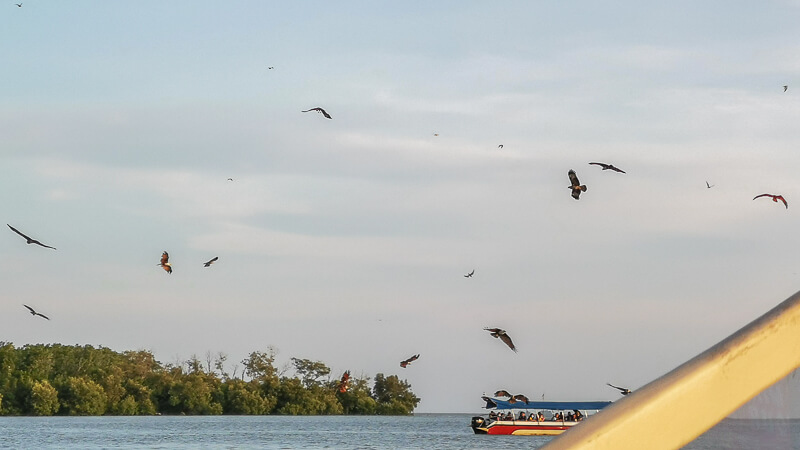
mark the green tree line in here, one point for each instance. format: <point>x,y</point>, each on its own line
<point>55,379</point>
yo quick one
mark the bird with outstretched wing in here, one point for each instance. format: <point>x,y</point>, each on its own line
<point>34,313</point>
<point>775,198</point>
<point>502,393</point>
<point>575,185</point>
<point>321,111</point>
<point>608,167</point>
<point>503,336</point>
<point>28,239</point>
<point>469,275</point>
<point>165,262</point>
<point>408,361</point>
<point>210,261</point>
<point>622,390</point>
<point>344,382</point>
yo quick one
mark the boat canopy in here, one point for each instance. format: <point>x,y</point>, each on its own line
<point>557,406</point>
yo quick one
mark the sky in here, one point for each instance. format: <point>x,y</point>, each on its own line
<point>346,240</point>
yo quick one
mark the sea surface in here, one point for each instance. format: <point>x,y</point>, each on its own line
<point>421,431</point>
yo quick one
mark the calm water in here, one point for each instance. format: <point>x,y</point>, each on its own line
<point>428,431</point>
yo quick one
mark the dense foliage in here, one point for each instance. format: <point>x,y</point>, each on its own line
<point>44,380</point>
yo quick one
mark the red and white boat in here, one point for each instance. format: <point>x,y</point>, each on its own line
<point>532,418</point>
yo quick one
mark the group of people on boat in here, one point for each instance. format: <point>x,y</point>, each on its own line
<point>574,416</point>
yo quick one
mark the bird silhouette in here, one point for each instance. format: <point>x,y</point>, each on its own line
<point>34,313</point>
<point>321,111</point>
<point>500,146</point>
<point>608,167</point>
<point>230,179</point>
<point>165,262</point>
<point>775,198</point>
<point>405,363</point>
<point>270,68</point>
<point>503,336</point>
<point>210,261</point>
<point>709,186</point>
<point>576,185</point>
<point>622,390</point>
<point>785,87</point>
<point>29,240</point>
<point>469,275</point>
<point>19,5</point>
<point>520,398</point>
<point>502,393</point>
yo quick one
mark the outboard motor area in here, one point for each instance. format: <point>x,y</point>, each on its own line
<point>478,422</point>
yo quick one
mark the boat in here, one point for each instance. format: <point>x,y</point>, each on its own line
<point>548,418</point>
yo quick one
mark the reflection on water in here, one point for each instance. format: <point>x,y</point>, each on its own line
<point>422,431</point>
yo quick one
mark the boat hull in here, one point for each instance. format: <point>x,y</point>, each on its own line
<point>520,428</point>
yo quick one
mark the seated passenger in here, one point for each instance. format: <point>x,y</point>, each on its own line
<point>578,415</point>
<point>492,416</point>
<point>532,418</point>
<point>541,416</point>
<point>522,415</point>
<point>570,417</point>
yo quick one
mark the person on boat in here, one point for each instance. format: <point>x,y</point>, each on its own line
<point>578,416</point>
<point>559,416</point>
<point>541,416</point>
<point>522,415</point>
<point>570,417</point>
<point>510,417</point>
<point>532,417</point>
<point>492,416</point>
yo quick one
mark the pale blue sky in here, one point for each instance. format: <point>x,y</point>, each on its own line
<point>346,240</point>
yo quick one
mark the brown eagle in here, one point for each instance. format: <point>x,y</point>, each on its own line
<point>210,261</point>
<point>503,336</point>
<point>165,262</point>
<point>775,198</point>
<point>344,382</point>
<point>576,185</point>
<point>502,393</point>
<point>321,111</point>
<point>405,363</point>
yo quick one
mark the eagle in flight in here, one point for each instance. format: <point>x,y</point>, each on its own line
<point>29,240</point>
<point>321,111</point>
<point>503,336</point>
<point>210,261</point>
<point>344,382</point>
<point>34,313</point>
<point>165,262</point>
<point>622,390</point>
<point>775,198</point>
<point>576,185</point>
<point>405,363</point>
<point>608,167</point>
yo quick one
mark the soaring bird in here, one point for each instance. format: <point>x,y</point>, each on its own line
<point>785,87</point>
<point>230,179</point>
<point>576,186</point>
<point>29,240</point>
<point>500,146</point>
<point>165,262</point>
<point>775,198</point>
<point>608,166</point>
<point>403,364</point>
<point>435,134</point>
<point>19,5</point>
<point>210,261</point>
<point>321,111</point>
<point>469,275</point>
<point>34,313</point>
<point>270,67</point>
<point>709,186</point>
<point>502,393</point>
<point>500,333</point>
<point>344,382</point>
<point>622,390</point>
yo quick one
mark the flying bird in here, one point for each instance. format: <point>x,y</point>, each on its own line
<point>622,390</point>
<point>321,111</point>
<point>709,186</point>
<point>435,134</point>
<point>405,363</point>
<point>19,5</point>
<point>210,261</point>
<point>469,275</point>
<point>501,334</point>
<point>270,68</point>
<point>29,240</point>
<point>502,393</point>
<point>230,179</point>
<point>608,166</point>
<point>500,146</point>
<point>785,87</point>
<point>344,382</point>
<point>775,198</point>
<point>576,186</point>
<point>165,262</point>
<point>34,313</point>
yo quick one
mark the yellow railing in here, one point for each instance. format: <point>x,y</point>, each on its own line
<point>673,410</point>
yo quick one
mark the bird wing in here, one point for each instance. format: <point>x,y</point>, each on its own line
<point>521,397</point>
<point>616,169</point>
<point>762,195</point>
<point>211,261</point>
<point>31,309</point>
<point>576,194</point>
<point>616,387</point>
<point>40,314</point>
<point>414,358</point>
<point>603,165</point>
<point>780,197</point>
<point>507,339</point>
<point>164,258</point>
<point>573,178</point>
<point>34,241</point>
<point>325,113</point>
<point>19,233</point>
<point>493,330</point>
<point>502,393</point>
